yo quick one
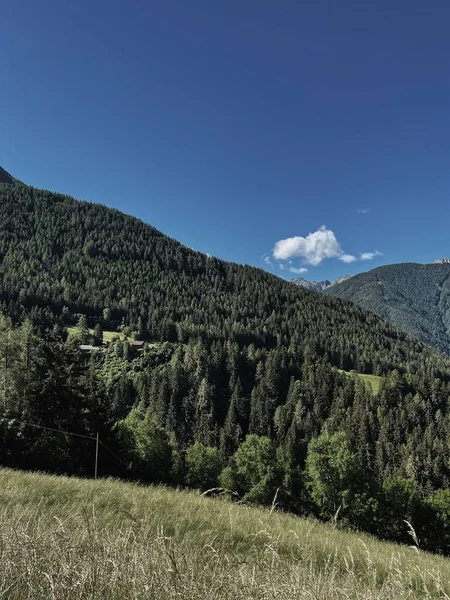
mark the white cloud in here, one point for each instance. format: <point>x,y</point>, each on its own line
<point>313,248</point>
<point>370,255</point>
<point>296,270</point>
<point>348,258</point>
<point>363,211</point>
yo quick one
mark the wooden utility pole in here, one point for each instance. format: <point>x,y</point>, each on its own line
<point>96,456</point>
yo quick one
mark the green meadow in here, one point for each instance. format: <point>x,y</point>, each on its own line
<point>373,381</point>
<point>108,336</point>
<point>68,538</point>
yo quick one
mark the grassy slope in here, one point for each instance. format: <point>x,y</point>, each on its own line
<point>373,380</point>
<point>69,538</point>
<point>108,336</point>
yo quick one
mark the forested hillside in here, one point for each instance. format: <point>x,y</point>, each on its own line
<point>244,383</point>
<point>411,296</point>
<point>60,258</point>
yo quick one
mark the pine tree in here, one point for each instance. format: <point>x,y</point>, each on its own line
<point>83,330</point>
<point>98,335</point>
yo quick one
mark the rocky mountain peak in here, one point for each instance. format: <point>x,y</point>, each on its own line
<point>319,286</point>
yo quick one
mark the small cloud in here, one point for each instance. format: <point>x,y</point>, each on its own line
<point>297,271</point>
<point>370,255</point>
<point>313,248</point>
<point>363,211</point>
<point>348,258</point>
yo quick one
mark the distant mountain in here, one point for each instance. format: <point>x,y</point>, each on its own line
<point>414,297</point>
<point>319,286</point>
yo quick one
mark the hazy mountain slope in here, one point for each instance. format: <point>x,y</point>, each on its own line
<point>60,257</point>
<point>414,297</point>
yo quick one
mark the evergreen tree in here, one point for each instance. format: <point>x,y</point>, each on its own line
<point>97,337</point>
<point>83,330</point>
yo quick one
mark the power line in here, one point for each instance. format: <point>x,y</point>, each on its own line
<point>118,457</point>
<point>87,437</point>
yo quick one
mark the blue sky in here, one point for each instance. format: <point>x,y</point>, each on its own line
<point>305,134</point>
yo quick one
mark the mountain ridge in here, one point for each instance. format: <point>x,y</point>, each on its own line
<point>319,286</point>
<point>414,297</point>
<point>62,257</point>
<point>5,177</point>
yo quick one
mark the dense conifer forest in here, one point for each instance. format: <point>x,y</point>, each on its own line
<point>245,382</point>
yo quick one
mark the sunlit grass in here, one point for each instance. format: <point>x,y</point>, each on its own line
<point>108,336</point>
<point>373,380</point>
<point>67,538</point>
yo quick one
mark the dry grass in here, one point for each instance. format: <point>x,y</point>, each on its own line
<point>67,538</point>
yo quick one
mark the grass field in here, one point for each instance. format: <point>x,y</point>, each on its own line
<point>107,335</point>
<point>66,538</point>
<point>373,380</point>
